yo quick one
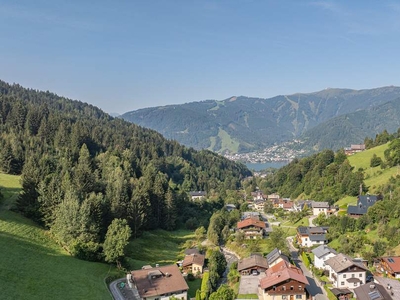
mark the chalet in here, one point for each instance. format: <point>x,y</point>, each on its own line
<point>252,227</point>
<point>193,263</point>
<point>275,257</point>
<point>390,266</point>
<point>321,254</point>
<point>283,281</point>
<point>311,236</point>
<point>273,197</point>
<point>363,203</point>
<point>259,205</point>
<point>254,263</point>
<point>321,208</point>
<point>344,272</point>
<point>301,205</point>
<point>197,195</point>
<point>159,283</point>
<point>372,291</point>
<point>354,149</point>
<point>258,195</point>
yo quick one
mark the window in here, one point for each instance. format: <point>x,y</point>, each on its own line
<point>360,275</point>
<point>284,297</point>
<point>355,283</point>
<point>299,297</point>
<point>344,275</point>
<point>284,288</point>
<point>342,283</point>
<point>353,275</point>
<point>292,288</point>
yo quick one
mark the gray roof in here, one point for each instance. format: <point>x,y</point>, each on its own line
<point>341,262</point>
<point>363,203</point>
<point>274,255</point>
<point>392,283</point>
<point>323,250</point>
<point>197,193</point>
<point>372,291</point>
<point>317,204</point>
<point>247,214</point>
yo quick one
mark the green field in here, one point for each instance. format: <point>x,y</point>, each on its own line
<point>33,266</point>
<point>363,159</point>
<point>157,246</point>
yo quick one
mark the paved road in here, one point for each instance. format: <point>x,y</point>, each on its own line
<point>314,288</point>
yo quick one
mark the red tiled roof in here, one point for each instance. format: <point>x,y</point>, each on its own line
<point>281,272</point>
<point>250,222</point>
<point>197,259</point>
<point>393,262</point>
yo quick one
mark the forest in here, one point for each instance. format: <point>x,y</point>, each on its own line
<point>86,175</point>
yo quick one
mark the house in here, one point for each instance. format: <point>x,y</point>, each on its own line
<point>391,285</point>
<point>344,272</point>
<point>273,197</point>
<point>254,263</point>
<point>275,257</point>
<point>342,294</point>
<point>283,281</point>
<point>259,205</point>
<point>230,207</point>
<point>301,205</point>
<point>250,214</point>
<point>258,195</point>
<point>311,236</point>
<point>363,203</point>
<point>373,291</point>
<point>252,227</point>
<point>197,195</point>
<point>354,149</point>
<point>320,208</point>
<point>193,263</point>
<point>390,266</point>
<point>321,254</point>
<point>159,283</point>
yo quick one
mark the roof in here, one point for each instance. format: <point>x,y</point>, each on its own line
<point>192,251</point>
<point>281,272</point>
<point>197,259</point>
<point>273,255</point>
<point>390,284</point>
<point>372,291</point>
<point>316,204</point>
<point>159,281</point>
<point>393,262</point>
<point>248,214</point>
<point>358,147</point>
<point>315,233</point>
<point>341,262</point>
<point>197,193</point>
<point>323,250</point>
<point>250,222</point>
<point>252,261</point>
<point>363,203</point>
<point>340,292</point>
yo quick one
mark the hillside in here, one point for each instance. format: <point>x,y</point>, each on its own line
<point>352,128</point>
<point>242,124</point>
<point>33,264</point>
<point>82,171</point>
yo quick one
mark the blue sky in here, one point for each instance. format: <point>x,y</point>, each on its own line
<point>124,55</point>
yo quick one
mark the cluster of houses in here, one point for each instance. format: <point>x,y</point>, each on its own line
<point>349,277</point>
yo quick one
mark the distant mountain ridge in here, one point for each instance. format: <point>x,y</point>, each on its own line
<point>242,124</point>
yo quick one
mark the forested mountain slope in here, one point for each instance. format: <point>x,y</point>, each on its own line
<point>241,124</point>
<point>81,169</point>
<point>352,128</point>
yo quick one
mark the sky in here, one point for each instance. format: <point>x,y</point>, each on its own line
<point>126,55</point>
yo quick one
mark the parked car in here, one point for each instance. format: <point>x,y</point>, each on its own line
<point>254,272</point>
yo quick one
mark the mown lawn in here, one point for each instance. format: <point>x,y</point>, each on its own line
<point>194,285</point>
<point>157,246</point>
<point>363,159</point>
<point>33,266</point>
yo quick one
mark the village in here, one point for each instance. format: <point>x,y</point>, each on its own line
<point>306,269</point>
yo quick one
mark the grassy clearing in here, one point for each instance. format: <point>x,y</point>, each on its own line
<point>247,296</point>
<point>157,246</point>
<point>227,143</point>
<point>342,203</point>
<point>380,177</point>
<point>33,266</point>
<point>363,159</point>
<point>194,285</point>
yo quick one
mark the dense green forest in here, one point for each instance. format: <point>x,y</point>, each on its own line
<point>81,169</point>
<point>326,176</point>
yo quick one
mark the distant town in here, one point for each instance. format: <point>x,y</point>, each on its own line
<point>282,152</point>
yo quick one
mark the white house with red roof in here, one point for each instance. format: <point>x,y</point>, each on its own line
<point>252,227</point>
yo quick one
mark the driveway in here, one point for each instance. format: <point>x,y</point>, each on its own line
<point>313,288</point>
<point>123,292</point>
<point>249,283</point>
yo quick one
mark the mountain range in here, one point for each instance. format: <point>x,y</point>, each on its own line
<point>331,118</point>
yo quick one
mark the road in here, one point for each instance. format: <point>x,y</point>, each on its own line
<point>230,258</point>
<point>314,288</point>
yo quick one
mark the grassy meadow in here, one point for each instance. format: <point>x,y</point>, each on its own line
<point>33,266</point>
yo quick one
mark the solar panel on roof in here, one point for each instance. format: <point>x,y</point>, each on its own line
<point>391,260</point>
<point>374,295</point>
